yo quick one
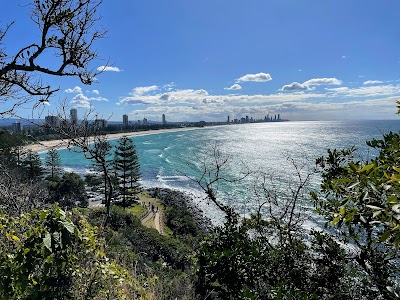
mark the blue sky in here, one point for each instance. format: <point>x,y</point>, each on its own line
<point>205,60</point>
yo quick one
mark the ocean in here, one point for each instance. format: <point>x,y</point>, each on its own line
<point>260,150</point>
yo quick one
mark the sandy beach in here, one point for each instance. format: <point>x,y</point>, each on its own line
<point>56,144</point>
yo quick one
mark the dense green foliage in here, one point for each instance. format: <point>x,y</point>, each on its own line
<point>32,166</point>
<point>68,191</point>
<point>11,148</point>
<point>148,253</point>
<point>51,255</point>
<point>239,261</point>
<point>361,198</point>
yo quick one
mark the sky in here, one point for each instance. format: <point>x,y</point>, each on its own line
<point>204,60</point>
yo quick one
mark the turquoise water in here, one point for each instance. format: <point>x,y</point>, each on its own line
<point>166,158</point>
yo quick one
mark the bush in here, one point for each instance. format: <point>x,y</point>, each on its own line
<point>50,254</point>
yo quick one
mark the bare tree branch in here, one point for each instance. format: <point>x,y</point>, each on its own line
<point>68,30</point>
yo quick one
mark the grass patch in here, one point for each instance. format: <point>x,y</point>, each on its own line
<point>136,210</point>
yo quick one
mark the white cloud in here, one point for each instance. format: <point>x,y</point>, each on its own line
<point>323,81</point>
<point>108,69</point>
<point>365,91</point>
<point>295,86</point>
<point>76,90</point>
<point>96,92</point>
<point>80,100</point>
<point>169,86</point>
<point>260,77</point>
<point>234,87</point>
<point>195,97</point>
<point>372,82</point>
<point>141,90</point>
<point>345,56</point>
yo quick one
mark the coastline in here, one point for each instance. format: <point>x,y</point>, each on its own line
<point>43,146</point>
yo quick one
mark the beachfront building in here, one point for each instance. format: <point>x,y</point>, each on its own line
<point>163,119</point>
<point>53,121</point>
<point>100,123</point>
<point>145,122</point>
<point>125,121</point>
<point>17,127</point>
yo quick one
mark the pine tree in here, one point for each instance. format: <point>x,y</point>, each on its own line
<point>33,166</point>
<point>53,161</point>
<point>126,164</point>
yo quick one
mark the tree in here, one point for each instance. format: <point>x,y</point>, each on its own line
<point>52,254</point>
<point>68,191</point>
<point>361,200</point>
<point>53,161</point>
<point>101,151</point>
<point>11,148</point>
<point>67,30</point>
<point>18,196</point>
<point>33,166</point>
<point>126,164</point>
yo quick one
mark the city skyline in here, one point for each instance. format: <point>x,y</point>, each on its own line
<point>204,61</point>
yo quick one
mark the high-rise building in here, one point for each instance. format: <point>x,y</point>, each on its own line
<point>125,120</point>
<point>17,127</point>
<point>145,122</point>
<point>279,116</point>
<point>100,123</point>
<point>73,115</point>
<point>163,119</point>
<point>53,121</point>
<point>228,120</point>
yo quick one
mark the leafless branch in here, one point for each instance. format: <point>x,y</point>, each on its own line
<point>68,30</point>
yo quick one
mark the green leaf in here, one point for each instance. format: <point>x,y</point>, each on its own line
<point>353,166</point>
<point>377,213</point>
<point>43,215</point>
<point>385,236</point>
<point>367,167</point>
<point>342,210</point>
<point>335,220</point>
<point>47,241</point>
<point>396,208</point>
<point>374,207</point>
<point>362,218</point>
<point>395,177</point>
<point>392,199</point>
<point>69,226</point>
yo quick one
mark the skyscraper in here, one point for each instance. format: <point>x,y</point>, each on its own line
<point>228,120</point>
<point>73,113</point>
<point>163,119</point>
<point>125,121</point>
<point>100,123</point>
<point>53,121</point>
<point>17,127</point>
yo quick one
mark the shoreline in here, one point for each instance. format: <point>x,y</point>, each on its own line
<point>43,146</point>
